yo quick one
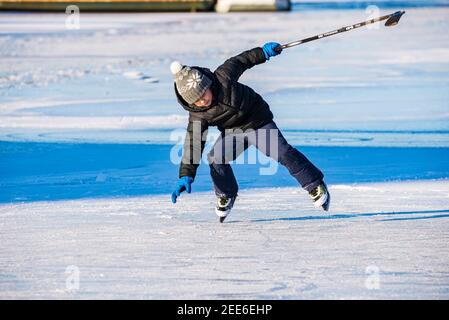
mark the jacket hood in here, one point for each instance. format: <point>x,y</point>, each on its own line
<point>192,107</point>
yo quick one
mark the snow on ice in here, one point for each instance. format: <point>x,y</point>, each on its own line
<point>382,240</point>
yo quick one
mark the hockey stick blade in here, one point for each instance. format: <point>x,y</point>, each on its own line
<point>394,19</point>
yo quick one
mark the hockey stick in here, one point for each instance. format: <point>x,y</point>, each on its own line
<point>392,20</point>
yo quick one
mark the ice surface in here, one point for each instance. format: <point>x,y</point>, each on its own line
<point>378,241</point>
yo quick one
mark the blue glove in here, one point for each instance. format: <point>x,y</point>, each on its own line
<point>184,183</point>
<point>268,49</point>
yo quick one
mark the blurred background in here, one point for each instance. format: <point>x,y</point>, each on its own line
<point>87,107</point>
<point>150,5</point>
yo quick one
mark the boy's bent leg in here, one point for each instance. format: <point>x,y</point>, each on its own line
<point>227,148</point>
<point>297,164</point>
<point>224,180</point>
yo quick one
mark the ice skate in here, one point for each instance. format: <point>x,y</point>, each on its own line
<point>224,206</point>
<point>320,196</point>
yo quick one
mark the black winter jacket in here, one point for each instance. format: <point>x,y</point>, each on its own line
<point>234,106</point>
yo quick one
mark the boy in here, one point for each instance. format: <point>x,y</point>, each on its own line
<point>218,99</point>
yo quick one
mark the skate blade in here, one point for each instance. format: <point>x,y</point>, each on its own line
<point>327,204</point>
<point>222,214</point>
<point>322,201</point>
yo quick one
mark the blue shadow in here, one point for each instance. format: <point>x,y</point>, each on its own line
<point>358,215</point>
<point>31,171</point>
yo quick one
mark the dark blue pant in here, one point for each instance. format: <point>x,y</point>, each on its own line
<point>270,141</point>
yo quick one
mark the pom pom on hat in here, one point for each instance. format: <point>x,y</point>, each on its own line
<point>175,67</point>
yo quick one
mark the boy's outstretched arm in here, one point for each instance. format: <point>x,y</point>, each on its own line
<point>193,148</point>
<point>234,67</point>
